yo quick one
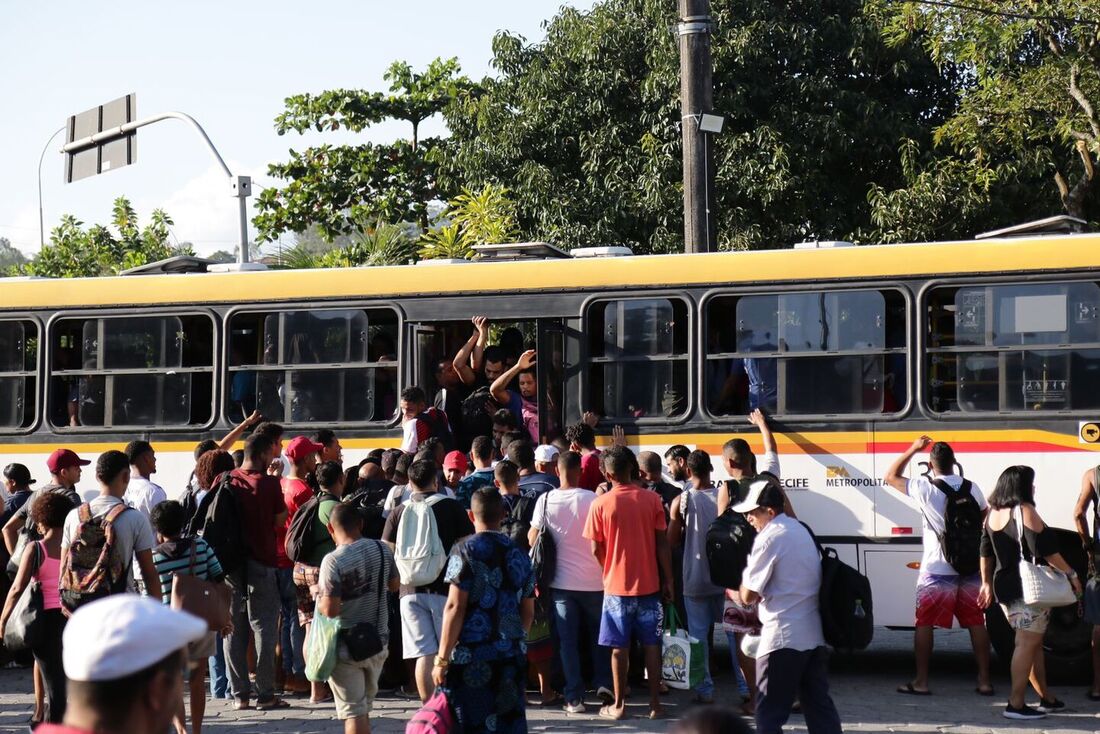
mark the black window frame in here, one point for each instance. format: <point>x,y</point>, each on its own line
<point>86,315</point>
<point>587,360</point>
<point>31,400</point>
<point>806,289</point>
<point>286,307</point>
<point>926,352</point>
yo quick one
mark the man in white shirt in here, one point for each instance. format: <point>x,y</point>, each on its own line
<point>784,575</point>
<point>943,594</point>
<point>143,494</point>
<point>577,588</point>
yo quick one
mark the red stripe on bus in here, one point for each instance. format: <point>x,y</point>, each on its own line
<point>989,447</point>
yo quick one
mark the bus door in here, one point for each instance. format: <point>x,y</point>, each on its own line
<point>429,349</point>
<point>551,369</point>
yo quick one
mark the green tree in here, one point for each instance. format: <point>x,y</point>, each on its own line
<point>76,252</point>
<point>333,187</point>
<point>11,259</point>
<point>485,217</point>
<point>583,127</point>
<point>1026,130</point>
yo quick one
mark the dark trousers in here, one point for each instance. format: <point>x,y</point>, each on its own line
<point>785,674</point>
<point>48,657</point>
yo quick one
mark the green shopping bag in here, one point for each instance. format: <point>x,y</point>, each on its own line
<point>321,648</point>
<point>682,663</point>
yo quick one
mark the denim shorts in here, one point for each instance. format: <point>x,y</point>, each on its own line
<point>624,616</point>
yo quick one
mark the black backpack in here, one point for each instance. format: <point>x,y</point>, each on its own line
<point>369,503</point>
<point>847,610</point>
<point>300,541</point>
<point>518,521</point>
<point>438,427</point>
<point>477,419</point>
<point>962,521</point>
<point>728,544</point>
<point>219,520</point>
<point>544,558</point>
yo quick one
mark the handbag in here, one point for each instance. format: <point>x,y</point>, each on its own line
<point>363,640</point>
<point>24,627</point>
<point>1043,586</point>
<point>205,599</point>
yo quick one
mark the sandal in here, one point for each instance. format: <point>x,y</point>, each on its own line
<point>242,705</point>
<point>909,690</point>
<point>274,703</point>
<point>608,712</point>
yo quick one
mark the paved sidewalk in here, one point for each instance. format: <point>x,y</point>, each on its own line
<point>863,688</point>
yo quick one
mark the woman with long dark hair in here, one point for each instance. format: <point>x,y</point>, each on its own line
<point>1013,523</point>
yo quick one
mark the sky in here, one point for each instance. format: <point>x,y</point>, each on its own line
<point>228,64</point>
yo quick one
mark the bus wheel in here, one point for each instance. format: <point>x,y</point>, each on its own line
<point>1068,642</point>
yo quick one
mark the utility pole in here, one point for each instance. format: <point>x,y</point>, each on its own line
<point>696,99</point>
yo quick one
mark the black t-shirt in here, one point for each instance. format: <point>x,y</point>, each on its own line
<point>1004,546</point>
<point>452,523</point>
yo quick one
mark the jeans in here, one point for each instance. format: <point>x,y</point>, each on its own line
<point>738,674</point>
<point>571,610</point>
<point>260,612</point>
<point>703,612</point>
<point>292,636</point>
<point>784,674</point>
<point>219,683</point>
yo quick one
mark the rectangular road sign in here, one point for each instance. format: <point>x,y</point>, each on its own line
<point>103,152</point>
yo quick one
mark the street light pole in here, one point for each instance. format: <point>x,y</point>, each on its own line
<point>696,99</point>
<point>41,215</point>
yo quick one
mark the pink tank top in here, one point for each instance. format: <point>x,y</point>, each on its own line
<point>49,576</point>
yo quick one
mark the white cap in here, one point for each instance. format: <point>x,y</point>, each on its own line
<point>122,634</point>
<point>761,493</point>
<point>545,453</point>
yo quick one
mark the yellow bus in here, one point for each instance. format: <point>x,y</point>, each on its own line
<point>992,345</point>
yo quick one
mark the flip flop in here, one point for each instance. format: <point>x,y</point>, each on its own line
<point>909,690</point>
<point>606,712</point>
<point>275,703</point>
<point>989,691</point>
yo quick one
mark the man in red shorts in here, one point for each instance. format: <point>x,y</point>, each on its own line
<point>943,592</point>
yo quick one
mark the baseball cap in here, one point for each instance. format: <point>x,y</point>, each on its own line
<point>18,473</point>
<point>455,460</point>
<point>546,453</point>
<point>63,459</point>
<point>761,494</point>
<point>122,634</point>
<point>389,459</point>
<point>301,447</point>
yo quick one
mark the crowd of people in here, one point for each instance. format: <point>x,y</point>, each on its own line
<point>476,563</point>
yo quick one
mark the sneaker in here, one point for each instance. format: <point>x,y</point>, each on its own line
<point>1051,706</point>
<point>1024,713</point>
<point>574,708</point>
<point>605,694</point>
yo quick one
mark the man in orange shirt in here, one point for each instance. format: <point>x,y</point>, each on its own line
<point>627,530</point>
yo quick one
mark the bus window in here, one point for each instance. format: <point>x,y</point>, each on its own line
<point>18,370</point>
<point>316,366</point>
<point>1014,347</point>
<point>822,353</point>
<point>134,371</point>
<point>638,355</point>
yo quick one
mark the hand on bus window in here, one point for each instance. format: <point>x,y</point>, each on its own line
<point>922,443</point>
<point>757,418</point>
<point>481,325</point>
<point>618,436</point>
<point>255,418</point>
<point>590,418</point>
<point>527,360</point>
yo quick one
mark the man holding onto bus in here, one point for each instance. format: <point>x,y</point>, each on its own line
<point>943,592</point>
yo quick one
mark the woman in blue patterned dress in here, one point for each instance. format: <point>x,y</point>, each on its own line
<point>482,660</point>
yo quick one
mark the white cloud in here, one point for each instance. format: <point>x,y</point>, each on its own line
<point>205,211</point>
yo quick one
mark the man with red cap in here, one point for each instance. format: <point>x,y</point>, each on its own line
<point>302,455</point>
<point>64,466</point>
<point>454,469</point>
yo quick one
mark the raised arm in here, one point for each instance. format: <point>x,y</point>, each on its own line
<point>499,388</point>
<point>469,359</point>
<point>894,476</point>
<point>758,419</point>
<point>233,436</point>
<point>1080,512</point>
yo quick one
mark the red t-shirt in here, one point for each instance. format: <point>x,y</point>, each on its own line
<point>626,520</point>
<point>260,504</point>
<point>60,729</point>
<point>295,494</point>
<point>591,476</point>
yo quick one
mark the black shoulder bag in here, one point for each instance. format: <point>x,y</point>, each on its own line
<point>363,640</point>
